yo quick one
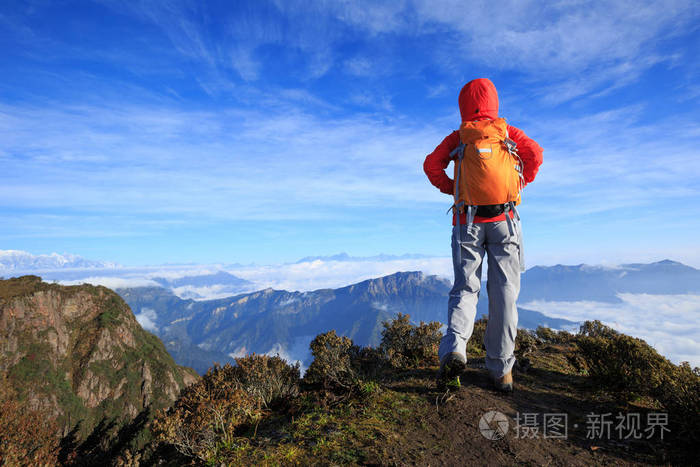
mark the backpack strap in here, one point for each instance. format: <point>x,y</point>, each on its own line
<point>512,148</point>
<point>458,154</point>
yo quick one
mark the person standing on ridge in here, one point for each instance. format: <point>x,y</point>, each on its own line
<point>493,163</point>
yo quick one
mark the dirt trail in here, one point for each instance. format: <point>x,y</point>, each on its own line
<point>448,433</point>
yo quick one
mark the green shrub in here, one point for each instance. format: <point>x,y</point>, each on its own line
<point>269,379</point>
<point>211,415</point>
<point>335,362</point>
<point>629,367</point>
<point>597,329</point>
<point>680,396</point>
<point>207,417</point>
<point>564,337</point>
<point>546,335</point>
<point>526,342</point>
<point>549,336</point>
<point>406,345</point>
<point>624,365</point>
<point>369,363</point>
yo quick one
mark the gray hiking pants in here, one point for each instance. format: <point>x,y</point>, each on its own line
<point>502,241</point>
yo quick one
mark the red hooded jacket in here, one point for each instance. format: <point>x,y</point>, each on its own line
<point>478,100</point>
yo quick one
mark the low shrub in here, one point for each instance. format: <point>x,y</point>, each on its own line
<point>211,414</point>
<point>369,363</point>
<point>269,379</point>
<point>335,363</point>
<point>680,396</point>
<point>564,337</point>
<point>28,436</point>
<point>629,367</point>
<point>549,336</point>
<point>207,418</point>
<point>526,342</point>
<point>623,365</point>
<point>407,346</point>
<point>546,335</point>
<point>597,329</point>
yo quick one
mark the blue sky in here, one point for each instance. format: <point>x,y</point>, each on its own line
<point>152,132</point>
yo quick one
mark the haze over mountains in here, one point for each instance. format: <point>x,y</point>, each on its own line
<point>209,281</point>
<point>659,302</point>
<point>276,321</point>
<point>273,321</point>
<point>605,284</point>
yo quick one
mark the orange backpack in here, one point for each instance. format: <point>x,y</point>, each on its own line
<point>488,169</point>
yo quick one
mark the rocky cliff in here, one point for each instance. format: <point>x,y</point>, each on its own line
<point>79,353</point>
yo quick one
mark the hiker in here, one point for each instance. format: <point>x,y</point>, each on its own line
<point>493,162</point>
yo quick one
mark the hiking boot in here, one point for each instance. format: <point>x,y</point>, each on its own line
<point>450,369</point>
<point>504,383</point>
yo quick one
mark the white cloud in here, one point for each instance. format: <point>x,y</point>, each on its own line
<point>210,292</point>
<point>669,323</point>
<point>112,282</point>
<point>606,161</point>
<point>543,38</point>
<point>320,274</point>
<point>360,66</point>
<point>244,63</point>
<point>582,47</point>
<point>297,352</point>
<point>603,41</point>
<point>147,319</point>
<point>196,163</point>
<point>305,276</point>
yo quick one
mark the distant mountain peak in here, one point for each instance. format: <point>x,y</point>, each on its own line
<point>669,262</point>
<point>18,260</point>
<point>346,257</point>
<point>202,280</point>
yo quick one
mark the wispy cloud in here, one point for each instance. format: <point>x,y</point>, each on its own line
<point>320,274</point>
<point>112,282</point>
<point>147,319</point>
<point>198,115</point>
<point>598,41</point>
<point>172,160</point>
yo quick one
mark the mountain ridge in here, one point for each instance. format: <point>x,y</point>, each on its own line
<point>602,283</point>
<point>268,320</point>
<point>79,352</point>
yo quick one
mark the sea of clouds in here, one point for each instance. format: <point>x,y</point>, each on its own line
<point>670,323</point>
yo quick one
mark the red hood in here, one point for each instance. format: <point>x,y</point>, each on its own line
<point>478,100</point>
